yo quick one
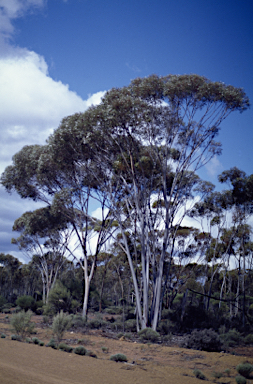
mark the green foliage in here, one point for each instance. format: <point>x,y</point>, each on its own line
<point>114,310</point>
<point>91,354</point>
<point>22,324</point>
<point>80,350</point>
<point>245,369</point>
<point>119,357</point>
<point>61,323</point>
<point>240,380</point>
<point>95,324</point>
<point>41,343</point>
<point>217,375</point>
<point>65,347</point>
<point>130,325</point>
<point>231,338</point>
<point>105,349</point>
<point>199,375</point>
<point>3,336</point>
<point>35,340</point>
<point>248,339</point>
<point>2,301</point>
<point>149,334</point>
<point>227,371</point>
<point>59,299</point>
<point>26,302</point>
<point>52,343</point>
<point>204,340</point>
<point>16,337</point>
<point>78,321</point>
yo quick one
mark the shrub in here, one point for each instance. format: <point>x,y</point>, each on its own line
<point>119,357</point>
<point>204,340</point>
<point>149,334</point>
<point>248,339</point>
<point>61,323</point>
<point>41,343</point>
<point>198,374</point>
<point>94,324</point>
<point>91,354</point>
<point>2,301</point>
<point>130,325</point>
<point>231,338</point>
<point>3,336</point>
<point>227,372</point>
<point>244,369</point>
<point>240,380</point>
<point>105,349</point>
<point>217,375</point>
<point>78,321</point>
<point>59,299</point>
<point>16,337</point>
<point>21,322</point>
<point>80,350</point>
<point>26,302</point>
<point>35,340</point>
<point>65,347</point>
<point>52,343</point>
<point>114,310</point>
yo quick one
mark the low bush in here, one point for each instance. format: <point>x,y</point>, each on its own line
<point>78,321</point>
<point>114,310</point>
<point>231,338</point>
<point>248,339</point>
<point>204,340</point>
<point>3,336</point>
<point>105,349</point>
<point>16,337</point>
<point>245,369</point>
<point>65,347</point>
<point>80,350</point>
<point>91,354</point>
<point>61,323</point>
<point>35,340</point>
<point>240,380</point>
<point>21,323</point>
<point>149,334</point>
<point>26,302</point>
<point>52,343</point>
<point>41,343</point>
<point>130,325</point>
<point>199,375</point>
<point>119,357</point>
<point>94,324</point>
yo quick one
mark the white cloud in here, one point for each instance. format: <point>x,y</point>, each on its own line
<point>32,105</point>
<point>214,166</point>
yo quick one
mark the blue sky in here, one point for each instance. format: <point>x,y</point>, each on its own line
<point>57,57</point>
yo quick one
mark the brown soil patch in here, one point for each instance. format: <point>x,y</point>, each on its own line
<point>150,364</point>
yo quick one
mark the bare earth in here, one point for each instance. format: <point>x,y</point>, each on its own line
<point>147,364</point>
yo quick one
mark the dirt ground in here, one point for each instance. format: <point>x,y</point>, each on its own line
<point>147,363</point>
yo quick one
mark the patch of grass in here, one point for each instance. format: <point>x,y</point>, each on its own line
<point>119,357</point>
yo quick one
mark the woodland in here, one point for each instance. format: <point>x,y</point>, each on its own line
<point>136,157</point>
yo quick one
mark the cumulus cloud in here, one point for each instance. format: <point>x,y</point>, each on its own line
<point>32,105</point>
<point>213,167</point>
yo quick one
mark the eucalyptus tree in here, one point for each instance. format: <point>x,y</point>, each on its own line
<point>152,136</point>
<point>143,143</point>
<point>44,238</point>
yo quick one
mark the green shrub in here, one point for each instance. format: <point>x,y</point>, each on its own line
<point>21,323</point>
<point>114,310</point>
<point>52,343</point>
<point>149,334</point>
<point>28,340</point>
<point>105,349</point>
<point>78,321</point>
<point>3,336</point>
<point>16,337</point>
<point>65,347</point>
<point>231,338</point>
<point>26,302</point>
<point>217,375</point>
<point>240,380</point>
<point>204,340</point>
<point>198,374</point>
<point>35,340</point>
<point>41,343</point>
<point>80,350</point>
<point>119,357</point>
<point>61,323</point>
<point>2,301</point>
<point>130,325</point>
<point>91,354</point>
<point>244,369</point>
<point>248,339</point>
<point>59,299</point>
<point>227,372</point>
